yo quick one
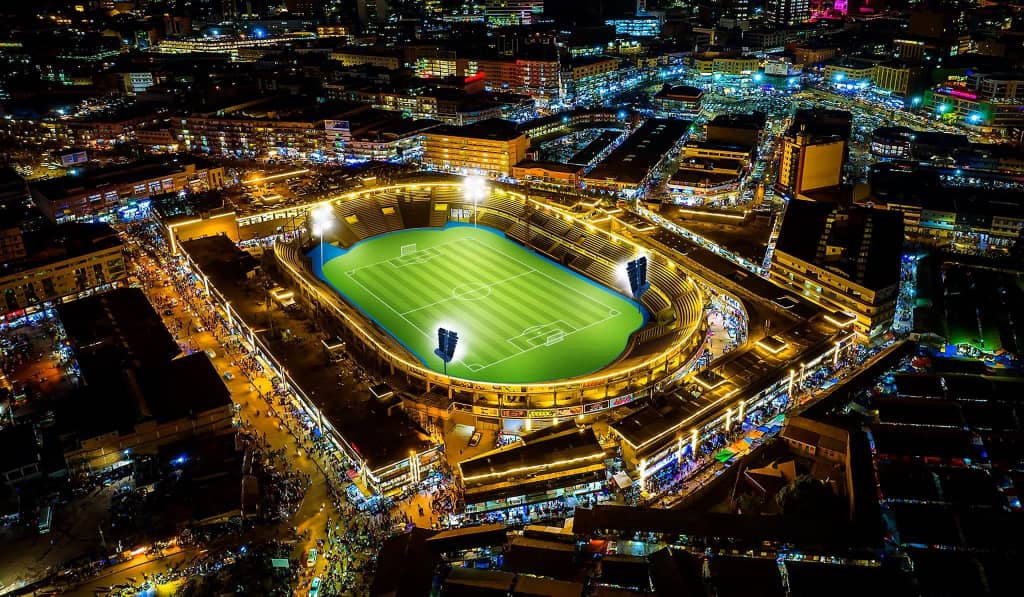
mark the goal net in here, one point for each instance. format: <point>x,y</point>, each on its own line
<point>408,249</point>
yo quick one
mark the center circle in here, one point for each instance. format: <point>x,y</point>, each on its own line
<point>471,291</point>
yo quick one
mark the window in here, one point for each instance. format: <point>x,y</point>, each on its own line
<point>11,299</point>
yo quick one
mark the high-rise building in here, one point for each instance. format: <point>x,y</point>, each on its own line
<point>844,259</point>
<point>787,13</point>
<point>489,147</point>
<point>739,10</point>
<point>372,12</point>
<point>513,12</point>
<point>305,8</point>
<point>814,150</point>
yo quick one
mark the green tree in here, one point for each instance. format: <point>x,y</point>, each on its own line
<point>807,497</point>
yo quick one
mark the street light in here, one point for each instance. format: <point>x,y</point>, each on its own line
<point>474,189</point>
<point>321,220</point>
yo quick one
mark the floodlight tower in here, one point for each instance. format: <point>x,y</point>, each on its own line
<point>474,189</point>
<point>321,220</point>
<point>446,342</point>
<point>637,272</point>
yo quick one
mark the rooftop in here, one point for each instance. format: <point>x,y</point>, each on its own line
<point>379,437</point>
<point>115,329</point>
<point>631,161</point>
<point>860,244</point>
<point>18,447</point>
<point>88,179</point>
<point>718,146</point>
<point>62,242</point>
<point>494,129</point>
<point>552,166</point>
<point>821,122</point>
<point>753,120</point>
<point>679,91</point>
<point>179,389</point>
<point>537,454</point>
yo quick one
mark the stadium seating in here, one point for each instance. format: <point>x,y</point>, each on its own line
<point>591,253</point>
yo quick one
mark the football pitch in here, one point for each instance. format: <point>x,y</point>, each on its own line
<point>520,317</point>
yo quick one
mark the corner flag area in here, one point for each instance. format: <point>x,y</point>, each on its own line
<point>521,318</point>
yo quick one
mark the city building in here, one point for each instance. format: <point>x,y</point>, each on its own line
<point>715,150</point>
<point>974,219</point>
<point>20,456</point>
<point>448,105</point>
<point>392,139</point>
<point>717,64</point>
<point>993,100</point>
<point>737,129</point>
<point>136,396</point>
<point>553,175</point>
<point>490,147</point>
<point>64,262</point>
<point>356,56</point>
<point>560,461</point>
<point>590,77</point>
<point>811,53</point>
<point>238,48</point>
<point>896,77</point>
<point>12,242</point>
<point>122,191</point>
<point>814,150</point>
<point>680,101</point>
<point>503,13</point>
<point>699,177</point>
<point>847,72</point>
<point>638,26</point>
<point>810,162</point>
<point>373,13</point>
<point>278,126</point>
<point>628,168</point>
<point>884,74</point>
<point>787,13</point>
<point>845,259</point>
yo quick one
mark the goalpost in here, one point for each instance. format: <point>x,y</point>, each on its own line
<point>408,249</point>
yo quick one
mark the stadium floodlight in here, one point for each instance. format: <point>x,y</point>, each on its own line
<point>321,219</point>
<point>474,189</point>
<point>447,340</point>
<point>637,271</point>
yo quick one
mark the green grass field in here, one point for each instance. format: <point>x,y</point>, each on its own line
<point>520,317</point>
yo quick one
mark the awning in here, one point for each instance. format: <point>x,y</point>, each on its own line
<point>622,480</point>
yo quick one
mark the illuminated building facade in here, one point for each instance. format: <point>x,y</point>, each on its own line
<point>83,258</point>
<point>503,13</point>
<point>490,147</point>
<point>847,260</point>
<point>991,100</point>
<point>112,192</point>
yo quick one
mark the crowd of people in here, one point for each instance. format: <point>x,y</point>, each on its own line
<point>356,531</point>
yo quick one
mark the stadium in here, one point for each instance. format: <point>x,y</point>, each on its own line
<point>537,293</point>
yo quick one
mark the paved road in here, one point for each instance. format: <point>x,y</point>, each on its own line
<point>182,320</point>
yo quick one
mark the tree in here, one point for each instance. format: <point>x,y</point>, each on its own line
<point>807,497</point>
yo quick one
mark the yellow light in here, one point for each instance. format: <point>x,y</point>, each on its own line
<point>775,350</point>
<point>714,213</point>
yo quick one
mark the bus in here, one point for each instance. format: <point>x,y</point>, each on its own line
<point>45,519</point>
